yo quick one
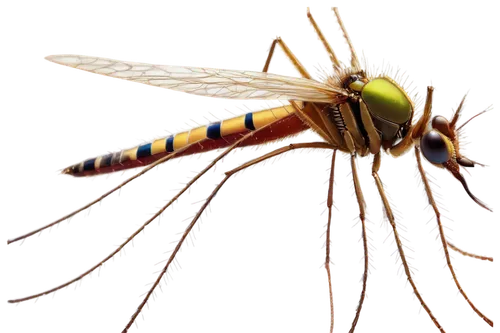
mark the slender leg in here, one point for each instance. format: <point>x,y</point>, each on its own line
<point>327,46</point>
<point>361,205</point>
<point>354,57</point>
<point>316,145</point>
<point>204,206</point>
<point>401,249</point>
<point>329,203</point>
<point>149,221</point>
<point>323,125</point>
<point>270,55</point>
<point>484,258</point>
<point>296,63</point>
<point>325,128</point>
<point>443,237</point>
<point>420,126</point>
<point>172,257</point>
<point>110,255</point>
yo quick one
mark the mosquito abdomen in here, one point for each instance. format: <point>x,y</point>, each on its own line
<point>201,139</point>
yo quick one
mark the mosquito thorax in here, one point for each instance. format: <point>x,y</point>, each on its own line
<point>388,104</point>
<point>387,101</point>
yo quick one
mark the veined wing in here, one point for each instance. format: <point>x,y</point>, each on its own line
<point>208,81</point>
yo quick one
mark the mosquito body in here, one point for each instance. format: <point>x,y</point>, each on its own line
<point>353,111</point>
<point>360,113</point>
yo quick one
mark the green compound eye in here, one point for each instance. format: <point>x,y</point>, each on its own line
<point>387,101</point>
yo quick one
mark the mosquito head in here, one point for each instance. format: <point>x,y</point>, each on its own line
<point>441,143</point>
<point>440,147</point>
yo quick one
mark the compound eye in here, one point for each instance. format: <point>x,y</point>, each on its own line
<point>434,147</point>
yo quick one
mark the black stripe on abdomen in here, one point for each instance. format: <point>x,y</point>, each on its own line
<point>89,165</point>
<point>249,121</point>
<point>106,161</point>
<point>144,150</point>
<point>213,131</point>
<point>169,145</point>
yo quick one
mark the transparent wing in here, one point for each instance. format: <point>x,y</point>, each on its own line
<point>207,81</point>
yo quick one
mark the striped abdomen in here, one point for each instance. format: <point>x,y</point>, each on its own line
<point>200,139</point>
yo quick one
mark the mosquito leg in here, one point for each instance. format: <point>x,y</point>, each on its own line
<point>354,57</point>
<point>443,237</point>
<point>360,197</point>
<point>420,126</point>
<point>172,256</point>
<point>296,63</point>
<point>323,132</point>
<point>292,146</point>
<point>484,258</point>
<point>329,203</point>
<point>362,298</point>
<point>270,55</point>
<point>327,46</point>
<point>323,126</point>
<point>390,217</point>
<point>205,205</point>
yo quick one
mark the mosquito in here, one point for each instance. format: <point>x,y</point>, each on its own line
<point>355,112</point>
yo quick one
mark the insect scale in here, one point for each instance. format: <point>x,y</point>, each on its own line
<point>352,99</point>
